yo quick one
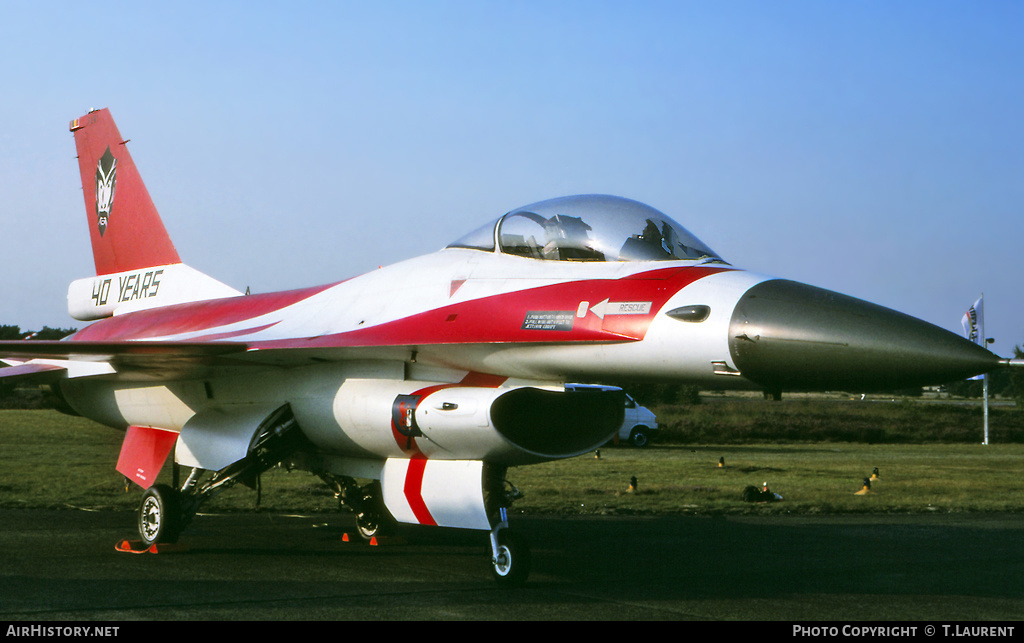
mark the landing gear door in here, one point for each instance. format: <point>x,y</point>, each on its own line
<point>215,437</point>
<point>143,453</point>
<point>443,493</point>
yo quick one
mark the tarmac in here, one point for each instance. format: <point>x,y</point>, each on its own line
<point>64,566</point>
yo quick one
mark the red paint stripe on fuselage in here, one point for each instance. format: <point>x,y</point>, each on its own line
<point>501,318</point>
<point>192,317</point>
<point>495,319</point>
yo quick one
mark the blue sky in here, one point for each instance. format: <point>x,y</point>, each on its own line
<point>873,148</point>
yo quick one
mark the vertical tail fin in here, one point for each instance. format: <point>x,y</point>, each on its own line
<point>137,266</point>
<point>126,230</point>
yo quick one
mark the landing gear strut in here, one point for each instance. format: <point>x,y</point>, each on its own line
<point>372,517</point>
<point>165,511</point>
<point>510,554</point>
<point>365,501</point>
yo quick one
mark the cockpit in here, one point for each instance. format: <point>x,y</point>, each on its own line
<point>589,228</point>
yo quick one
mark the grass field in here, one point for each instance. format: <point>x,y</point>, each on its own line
<point>52,461</point>
<point>811,478</point>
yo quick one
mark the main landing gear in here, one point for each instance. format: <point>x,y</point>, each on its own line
<point>165,511</point>
<point>160,515</point>
<point>365,501</point>
<point>510,552</point>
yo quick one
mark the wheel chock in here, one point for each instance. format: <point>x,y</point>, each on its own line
<point>133,547</point>
<point>167,548</point>
<point>139,547</point>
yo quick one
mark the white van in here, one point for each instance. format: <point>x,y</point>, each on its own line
<point>638,424</point>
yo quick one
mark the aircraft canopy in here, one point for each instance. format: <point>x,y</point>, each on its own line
<point>589,228</point>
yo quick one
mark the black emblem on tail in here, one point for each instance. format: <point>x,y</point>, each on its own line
<point>106,177</point>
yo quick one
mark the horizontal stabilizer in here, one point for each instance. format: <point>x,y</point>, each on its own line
<point>107,351</point>
<point>34,373</point>
<point>51,360</point>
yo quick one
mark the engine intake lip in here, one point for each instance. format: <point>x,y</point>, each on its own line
<point>558,424</point>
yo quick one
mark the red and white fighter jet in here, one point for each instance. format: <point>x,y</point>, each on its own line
<point>411,389</point>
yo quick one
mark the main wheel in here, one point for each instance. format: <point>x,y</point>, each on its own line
<point>371,524</point>
<point>372,517</point>
<point>512,565</point>
<point>160,519</point>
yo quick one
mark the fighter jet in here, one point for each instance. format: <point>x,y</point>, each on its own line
<point>411,390</point>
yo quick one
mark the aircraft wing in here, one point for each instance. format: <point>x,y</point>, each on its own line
<point>43,361</point>
<point>106,351</point>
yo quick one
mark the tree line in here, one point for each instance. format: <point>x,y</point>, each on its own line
<point>13,397</point>
<point>8,332</point>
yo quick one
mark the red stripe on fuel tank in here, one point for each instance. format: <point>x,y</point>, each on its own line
<point>480,380</point>
<point>414,490</point>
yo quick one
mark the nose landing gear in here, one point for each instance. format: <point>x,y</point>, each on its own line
<point>510,554</point>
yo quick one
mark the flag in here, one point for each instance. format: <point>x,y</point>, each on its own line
<point>973,322</point>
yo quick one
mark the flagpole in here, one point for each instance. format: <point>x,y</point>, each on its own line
<point>986,408</point>
<point>984,344</point>
<point>974,329</point>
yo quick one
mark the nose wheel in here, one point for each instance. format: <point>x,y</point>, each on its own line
<point>510,555</point>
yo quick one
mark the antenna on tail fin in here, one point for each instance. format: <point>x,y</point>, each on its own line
<point>137,266</point>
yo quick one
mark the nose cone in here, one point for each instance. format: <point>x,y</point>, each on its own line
<point>788,336</point>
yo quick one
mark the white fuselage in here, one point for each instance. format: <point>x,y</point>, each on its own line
<point>372,337</point>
